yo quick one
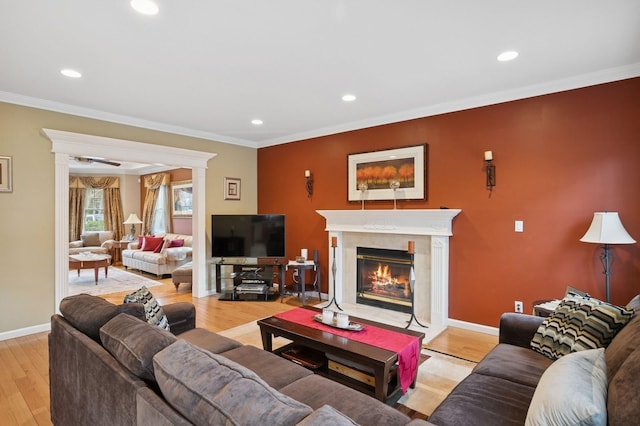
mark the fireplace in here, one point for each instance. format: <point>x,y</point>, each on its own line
<point>383,278</point>
<point>392,229</point>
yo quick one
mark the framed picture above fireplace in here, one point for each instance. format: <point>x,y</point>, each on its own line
<point>391,174</point>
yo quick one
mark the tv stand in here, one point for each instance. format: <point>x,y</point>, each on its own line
<point>251,280</point>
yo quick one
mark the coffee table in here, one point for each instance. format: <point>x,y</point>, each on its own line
<point>348,361</point>
<point>90,261</point>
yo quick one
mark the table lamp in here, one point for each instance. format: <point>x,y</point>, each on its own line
<point>132,220</point>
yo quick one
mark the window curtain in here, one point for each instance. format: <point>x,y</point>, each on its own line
<point>113,216</point>
<point>161,222</point>
<point>76,209</point>
<point>152,183</point>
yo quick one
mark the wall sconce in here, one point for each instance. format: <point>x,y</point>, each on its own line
<point>307,174</point>
<point>491,171</point>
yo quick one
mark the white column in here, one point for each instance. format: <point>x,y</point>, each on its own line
<point>61,181</point>
<point>439,280</point>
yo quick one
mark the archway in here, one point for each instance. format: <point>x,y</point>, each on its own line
<point>67,144</point>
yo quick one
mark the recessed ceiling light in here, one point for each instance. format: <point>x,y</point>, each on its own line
<point>257,122</point>
<point>349,98</point>
<point>68,72</point>
<point>146,7</point>
<point>507,56</point>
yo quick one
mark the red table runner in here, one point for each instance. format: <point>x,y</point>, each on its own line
<point>407,347</point>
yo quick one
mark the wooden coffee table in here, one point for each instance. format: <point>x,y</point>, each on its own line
<point>361,359</point>
<point>92,261</point>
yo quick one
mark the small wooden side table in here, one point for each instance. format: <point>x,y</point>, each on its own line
<point>116,250</point>
<point>544,307</point>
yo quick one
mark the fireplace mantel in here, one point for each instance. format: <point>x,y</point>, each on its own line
<point>430,228</point>
<point>411,222</point>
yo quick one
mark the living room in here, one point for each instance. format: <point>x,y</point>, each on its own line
<point>559,157</point>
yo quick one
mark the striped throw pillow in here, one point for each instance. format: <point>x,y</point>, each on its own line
<point>153,311</point>
<point>578,324</point>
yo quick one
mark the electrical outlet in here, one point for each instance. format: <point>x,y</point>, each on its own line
<point>517,306</point>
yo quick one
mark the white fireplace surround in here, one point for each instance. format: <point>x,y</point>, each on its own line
<point>393,229</point>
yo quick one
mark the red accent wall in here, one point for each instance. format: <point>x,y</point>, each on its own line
<point>559,158</point>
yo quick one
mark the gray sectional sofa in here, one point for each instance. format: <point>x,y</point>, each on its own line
<point>109,366</point>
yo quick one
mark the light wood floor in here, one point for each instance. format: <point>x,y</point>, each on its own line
<point>24,366</point>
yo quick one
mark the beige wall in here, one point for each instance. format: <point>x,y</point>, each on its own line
<point>27,214</point>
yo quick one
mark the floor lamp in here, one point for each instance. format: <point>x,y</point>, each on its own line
<point>606,229</point>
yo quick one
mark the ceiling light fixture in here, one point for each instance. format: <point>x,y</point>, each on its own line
<point>349,98</point>
<point>507,56</point>
<point>257,122</point>
<point>146,7</point>
<point>68,72</point>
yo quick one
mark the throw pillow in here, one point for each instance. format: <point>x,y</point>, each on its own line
<point>90,239</point>
<point>572,391</point>
<point>134,342</point>
<point>209,389</point>
<point>88,313</point>
<point>151,243</point>
<point>153,311</point>
<point>578,324</point>
<point>176,243</point>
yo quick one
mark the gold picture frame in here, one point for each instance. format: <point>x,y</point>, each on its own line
<point>370,174</point>
<point>182,198</point>
<point>6,173</point>
<point>231,188</point>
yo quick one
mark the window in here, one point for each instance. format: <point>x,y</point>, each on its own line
<point>94,210</point>
<point>160,221</point>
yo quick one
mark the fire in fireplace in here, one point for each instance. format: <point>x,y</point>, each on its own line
<point>383,278</point>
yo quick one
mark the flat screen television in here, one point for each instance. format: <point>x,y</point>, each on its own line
<point>248,235</point>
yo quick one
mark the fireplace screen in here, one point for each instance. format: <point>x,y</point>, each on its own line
<point>383,278</point>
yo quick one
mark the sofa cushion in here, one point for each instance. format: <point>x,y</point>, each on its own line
<point>273,369</point>
<point>134,342</point>
<point>573,391</point>
<point>90,239</point>
<point>327,415</point>
<point>215,390</point>
<point>153,311</point>
<point>316,391</point>
<point>623,399</point>
<point>515,363</point>
<point>88,313</point>
<point>579,324</point>
<point>626,341</point>
<point>210,341</point>
<point>484,400</point>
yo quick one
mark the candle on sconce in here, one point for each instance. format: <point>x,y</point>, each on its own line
<point>488,155</point>
<point>412,247</point>
<point>307,173</point>
<point>334,241</point>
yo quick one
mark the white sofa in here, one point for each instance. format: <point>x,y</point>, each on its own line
<point>94,242</point>
<point>164,262</point>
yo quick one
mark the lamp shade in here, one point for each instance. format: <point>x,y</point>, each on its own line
<point>606,228</point>
<point>133,219</point>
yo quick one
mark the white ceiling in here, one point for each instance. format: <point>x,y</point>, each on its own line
<point>206,68</point>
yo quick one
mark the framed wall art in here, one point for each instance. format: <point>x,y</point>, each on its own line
<point>6,184</point>
<point>231,188</point>
<point>182,198</point>
<point>392,174</point>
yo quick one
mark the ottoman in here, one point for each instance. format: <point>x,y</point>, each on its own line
<point>182,274</point>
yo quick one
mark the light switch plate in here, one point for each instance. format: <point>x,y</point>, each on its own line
<point>519,226</point>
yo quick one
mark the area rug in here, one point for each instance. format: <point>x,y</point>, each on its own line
<point>437,375</point>
<point>117,281</point>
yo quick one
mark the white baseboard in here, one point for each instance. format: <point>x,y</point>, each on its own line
<point>12,334</point>
<point>473,327</point>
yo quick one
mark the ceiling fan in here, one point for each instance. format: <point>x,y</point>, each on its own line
<point>95,160</point>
